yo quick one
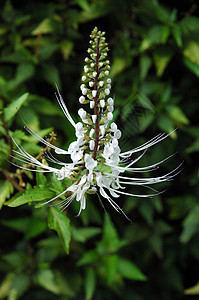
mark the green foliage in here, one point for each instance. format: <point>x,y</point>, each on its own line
<point>60,223</point>
<point>155,67</point>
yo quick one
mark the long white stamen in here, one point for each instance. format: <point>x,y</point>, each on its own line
<point>63,107</point>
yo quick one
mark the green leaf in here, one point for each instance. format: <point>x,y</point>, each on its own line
<point>191,51</point>
<point>83,4</point>
<point>118,66</point>
<point>130,271</point>
<point>43,28</point>
<point>88,257</point>
<point>23,73</point>
<point>34,228</point>
<point>111,263</point>
<point>46,279</point>
<point>44,106</point>
<point>16,259</point>
<point>41,178</point>
<point>6,284</point>
<point>177,114</point>
<point>36,194</point>
<point>189,24</point>
<point>145,64</point>
<point>190,225</point>
<point>19,286</point>
<point>12,108</point>
<point>193,147</point>
<point>165,123</point>
<point>110,242</point>
<point>51,74</point>
<point>147,211</point>
<point>192,66</point>
<point>19,134</point>
<point>194,290</point>
<point>47,51</point>
<point>6,188</point>
<point>90,283</point>
<point>59,222</point>
<point>161,58</point>
<point>158,34</point>
<point>155,242</point>
<point>66,48</point>
<point>176,31</point>
<point>57,184</point>
<point>179,206</point>
<point>17,224</point>
<point>83,234</point>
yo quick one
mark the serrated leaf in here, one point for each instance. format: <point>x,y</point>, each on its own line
<point>90,283</point>
<point>12,108</point>
<point>6,188</point>
<point>59,222</point>
<point>129,270</point>
<point>36,194</point>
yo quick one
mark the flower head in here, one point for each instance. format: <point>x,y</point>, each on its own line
<point>95,154</point>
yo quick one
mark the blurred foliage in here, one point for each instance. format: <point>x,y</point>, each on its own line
<point>155,69</point>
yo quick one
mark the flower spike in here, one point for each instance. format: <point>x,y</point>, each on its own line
<point>95,154</point>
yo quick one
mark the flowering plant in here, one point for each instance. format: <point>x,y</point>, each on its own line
<point>97,163</point>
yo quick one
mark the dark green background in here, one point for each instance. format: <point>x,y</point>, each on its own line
<point>154,53</point>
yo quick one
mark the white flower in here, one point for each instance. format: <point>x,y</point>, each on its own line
<point>110,101</point>
<point>97,163</point>
<point>102,103</point>
<point>94,118</point>
<point>94,93</point>
<point>107,91</point>
<point>83,78</point>
<point>81,99</point>
<point>92,104</point>
<point>84,91</point>
<point>110,108</point>
<point>91,83</point>
<point>110,116</point>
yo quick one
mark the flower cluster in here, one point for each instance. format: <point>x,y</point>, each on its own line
<point>97,163</point>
